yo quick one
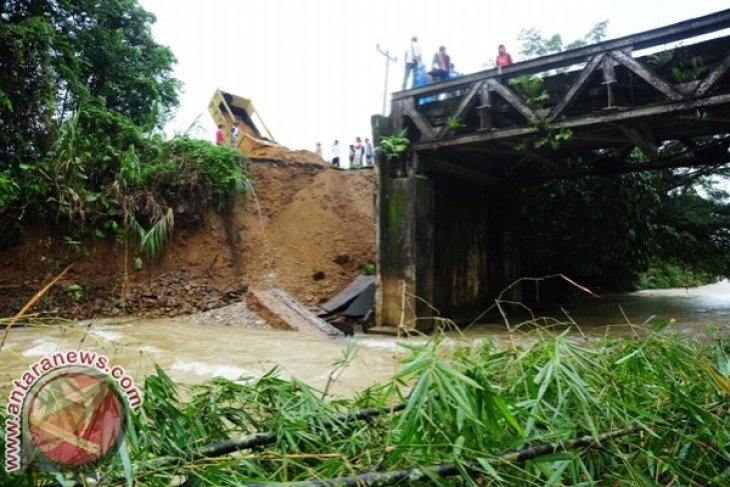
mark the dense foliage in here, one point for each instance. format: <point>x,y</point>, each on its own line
<point>653,229</point>
<point>595,229</point>
<point>84,89</point>
<point>659,405</point>
<point>58,56</point>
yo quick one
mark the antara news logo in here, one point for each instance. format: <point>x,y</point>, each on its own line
<point>68,410</point>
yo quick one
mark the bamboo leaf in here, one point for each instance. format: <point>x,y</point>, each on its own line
<point>489,469</point>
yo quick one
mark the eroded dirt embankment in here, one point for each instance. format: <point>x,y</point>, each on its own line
<point>308,229</point>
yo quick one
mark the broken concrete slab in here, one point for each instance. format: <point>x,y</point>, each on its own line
<point>352,291</point>
<point>284,312</point>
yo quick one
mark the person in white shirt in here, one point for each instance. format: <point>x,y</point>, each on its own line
<point>359,151</point>
<point>336,154</point>
<point>234,135</point>
<point>413,60</point>
<point>368,153</point>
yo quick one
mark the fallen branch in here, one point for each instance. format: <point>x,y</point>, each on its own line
<point>30,303</point>
<point>266,438</point>
<point>373,479</point>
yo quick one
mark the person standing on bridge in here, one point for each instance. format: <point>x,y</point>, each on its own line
<point>413,61</point>
<point>503,58</point>
<point>440,65</point>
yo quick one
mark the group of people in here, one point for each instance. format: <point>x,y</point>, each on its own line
<point>361,153</point>
<point>441,66</point>
<point>220,135</point>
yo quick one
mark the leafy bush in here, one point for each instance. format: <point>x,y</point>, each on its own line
<point>671,274</point>
<point>220,167</point>
<point>103,173</point>
<point>82,91</point>
<point>9,190</point>
<point>394,146</point>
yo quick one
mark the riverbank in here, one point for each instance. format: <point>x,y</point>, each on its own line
<point>308,229</point>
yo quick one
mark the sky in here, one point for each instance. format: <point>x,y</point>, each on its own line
<point>311,66</point>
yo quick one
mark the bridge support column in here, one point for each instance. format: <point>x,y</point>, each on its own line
<point>405,251</point>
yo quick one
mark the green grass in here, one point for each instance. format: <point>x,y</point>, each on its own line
<point>660,403</point>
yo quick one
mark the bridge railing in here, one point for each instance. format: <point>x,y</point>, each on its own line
<point>676,32</point>
<point>597,84</point>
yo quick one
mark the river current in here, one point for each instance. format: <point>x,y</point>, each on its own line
<point>192,353</point>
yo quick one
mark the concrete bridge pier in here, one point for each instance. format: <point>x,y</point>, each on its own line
<point>446,245</point>
<point>404,232</point>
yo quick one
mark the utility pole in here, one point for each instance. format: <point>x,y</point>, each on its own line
<point>388,59</point>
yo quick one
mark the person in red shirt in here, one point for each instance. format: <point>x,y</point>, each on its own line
<point>220,136</point>
<point>503,58</point>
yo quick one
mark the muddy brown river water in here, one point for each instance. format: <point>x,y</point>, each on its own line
<point>192,353</point>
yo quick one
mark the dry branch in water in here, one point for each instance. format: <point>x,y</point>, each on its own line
<point>30,304</point>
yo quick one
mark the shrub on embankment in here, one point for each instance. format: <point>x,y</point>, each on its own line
<point>551,412</point>
<point>671,275</point>
<point>84,92</point>
<point>104,176</point>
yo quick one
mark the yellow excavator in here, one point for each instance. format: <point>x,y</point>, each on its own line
<point>226,109</point>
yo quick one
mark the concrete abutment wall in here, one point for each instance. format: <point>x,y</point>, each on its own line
<point>445,246</point>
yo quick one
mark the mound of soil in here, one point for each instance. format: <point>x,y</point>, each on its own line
<point>315,231</point>
<point>282,154</point>
<point>307,229</point>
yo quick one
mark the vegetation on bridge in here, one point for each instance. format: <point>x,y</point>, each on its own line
<point>84,92</point>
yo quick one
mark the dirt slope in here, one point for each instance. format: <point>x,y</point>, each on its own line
<point>308,229</point>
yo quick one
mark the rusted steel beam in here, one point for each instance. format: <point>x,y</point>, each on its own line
<point>627,168</point>
<point>485,109</point>
<point>466,102</point>
<point>713,76</point>
<point>512,99</point>
<point>648,75</point>
<point>450,169</point>
<point>663,109</point>
<point>577,87</point>
<point>422,124</point>
<point>641,140</point>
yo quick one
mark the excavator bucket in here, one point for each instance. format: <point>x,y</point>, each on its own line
<point>226,109</point>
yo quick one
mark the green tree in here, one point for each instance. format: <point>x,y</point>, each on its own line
<point>600,230</point>
<point>533,44</point>
<point>58,56</point>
